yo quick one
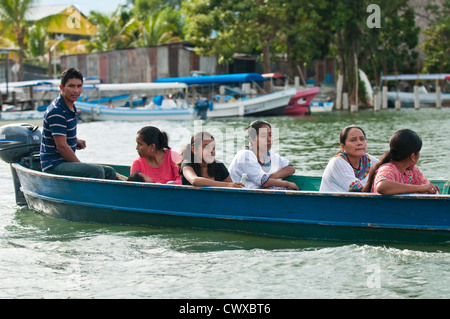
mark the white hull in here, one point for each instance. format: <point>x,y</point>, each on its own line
<point>261,104</point>
<point>97,112</point>
<point>425,98</point>
<point>21,115</point>
<point>321,107</point>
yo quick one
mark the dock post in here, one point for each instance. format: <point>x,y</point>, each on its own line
<point>222,93</point>
<point>398,104</point>
<point>438,97</point>
<point>376,102</point>
<point>297,83</point>
<point>345,100</point>
<point>340,82</point>
<point>416,97</point>
<point>385,98</point>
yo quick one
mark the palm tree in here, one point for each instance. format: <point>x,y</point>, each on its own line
<point>37,42</point>
<point>12,14</point>
<point>157,30</point>
<point>113,32</point>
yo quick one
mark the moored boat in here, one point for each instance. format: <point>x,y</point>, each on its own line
<point>258,105</point>
<point>299,104</point>
<point>105,108</point>
<point>317,106</point>
<point>408,98</point>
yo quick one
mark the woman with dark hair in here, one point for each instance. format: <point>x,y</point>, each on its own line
<point>199,167</point>
<point>348,170</point>
<point>258,165</point>
<point>156,160</point>
<point>396,172</point>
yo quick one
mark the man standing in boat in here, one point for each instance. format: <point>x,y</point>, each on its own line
<point>59,136</point>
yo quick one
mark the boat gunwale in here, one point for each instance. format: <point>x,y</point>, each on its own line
<point>29,171</point>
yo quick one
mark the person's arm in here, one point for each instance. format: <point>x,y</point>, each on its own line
<point>195,180</point>
<point>174,168</point>
<point>64,149</point>
<point>280,183</point>
<point>81,144</point>
<point>136,168</point>
<point>390,187</point>
<point>284,172</point>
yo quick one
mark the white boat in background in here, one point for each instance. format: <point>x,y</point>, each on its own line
<point>321,106</point>
<point>176,107</point>
<point>264,105</point>
<point>32,98</point>
<point>259,105</point>
<point>408,98</point>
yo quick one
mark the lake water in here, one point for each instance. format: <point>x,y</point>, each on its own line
<point>42,257</point>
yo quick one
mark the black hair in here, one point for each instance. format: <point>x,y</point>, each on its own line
<point>70,73</point>
<point>187,156</point>
<point>403,144</point>
<point>254,127</point>
<point>153,135</point>
<point>136,177</point>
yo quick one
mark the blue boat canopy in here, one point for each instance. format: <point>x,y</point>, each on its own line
<point>215,79</point>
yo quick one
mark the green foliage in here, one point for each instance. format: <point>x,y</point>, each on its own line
<point>157,29</point>
<point>37,40</point>
<point>12,15</point>
<point>437,43</point>
<point>116,31</point>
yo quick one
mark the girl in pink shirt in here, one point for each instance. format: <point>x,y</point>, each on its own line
<point>396,171</point>
<point>156,162</point>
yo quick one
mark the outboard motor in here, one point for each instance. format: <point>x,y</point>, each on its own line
<point>19,143</point>
<point>201,106</point>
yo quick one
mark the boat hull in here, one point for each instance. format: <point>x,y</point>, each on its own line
<point>98,112</point>
<point>408,98</point>
<point>317,107</point>
<point>299,104</point>
<point>302,215</point>
<point>21,115</point>
<point>265,105</point>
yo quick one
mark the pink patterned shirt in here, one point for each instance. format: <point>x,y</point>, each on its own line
<point>168,171</point>
<point>389,171</point>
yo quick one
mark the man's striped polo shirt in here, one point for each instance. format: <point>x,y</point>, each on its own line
<point>58,120</point>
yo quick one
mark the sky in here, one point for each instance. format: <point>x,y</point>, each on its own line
<point>85,6</point>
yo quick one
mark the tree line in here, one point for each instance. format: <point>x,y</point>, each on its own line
<point>385,40</point>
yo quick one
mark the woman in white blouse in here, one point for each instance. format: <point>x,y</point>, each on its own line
<point>348,170</point>
<point>257,166</point>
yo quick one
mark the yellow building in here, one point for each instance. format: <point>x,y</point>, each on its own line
<point>65,23</point>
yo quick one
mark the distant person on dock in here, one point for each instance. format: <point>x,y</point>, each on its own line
<point>156,160</point>
<point>198,164</point>
<point>397,172</point>
<point>261,167</point>
<point>59,136</point>
<point>349,169</point>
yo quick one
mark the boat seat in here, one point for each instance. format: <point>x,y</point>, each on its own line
<point>446,188</point>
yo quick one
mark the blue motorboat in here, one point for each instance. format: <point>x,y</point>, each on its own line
<point>304,214</point>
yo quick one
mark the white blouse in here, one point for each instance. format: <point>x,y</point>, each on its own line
<point>246,162</point>
<point>339,175</point>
